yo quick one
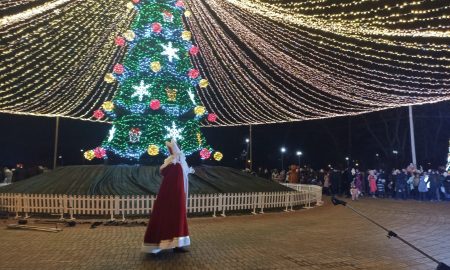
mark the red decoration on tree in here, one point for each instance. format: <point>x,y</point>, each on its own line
<point>98,114</point>
<point>135,1</point>
<point>212,117</point>
<point>99,152</point>
<point>156,27</point>
<point>167,16</point>
<point>135,130</point>
<point>155,104</point>
<point>118,69</point>
<point>193,73</point>
<point>179,3</point>
<point>205,153</point>
<point>120,41</point>
<point>193,50</point>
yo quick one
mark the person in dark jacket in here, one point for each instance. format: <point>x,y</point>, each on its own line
<point>433,178</point>
<point>400,185</point>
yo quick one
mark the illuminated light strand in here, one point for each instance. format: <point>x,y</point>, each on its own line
<point>263,81</point>
<point>323,57</point>
<point>419,64</point>
<point>343,28</point>
<point>202,16</point>
<point>208,23</point>
<point>75,75</point>
<point>31,12</point>
<point>310,75</point>
<point>219,47</point>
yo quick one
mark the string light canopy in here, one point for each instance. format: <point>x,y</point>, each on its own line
<point>265,61</point>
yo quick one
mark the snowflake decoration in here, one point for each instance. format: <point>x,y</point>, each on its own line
<point>191,96</point>
<point>141,90</point>
<point>111,133</point>
<point>174,132</point>
<point>170,51</point>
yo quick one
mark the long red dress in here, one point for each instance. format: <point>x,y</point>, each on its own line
<point>168,226</point>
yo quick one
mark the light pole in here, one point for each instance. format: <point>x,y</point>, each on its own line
<point>247,163</point>
<point>299,154</point>
<point>395,152</point>
<point>348,161</point>
<point>82,156</point>
<point>283,150</point>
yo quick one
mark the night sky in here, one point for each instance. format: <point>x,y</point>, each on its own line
<point>29,140</point>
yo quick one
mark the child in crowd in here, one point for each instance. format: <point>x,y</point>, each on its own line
<point>380,186</point>
<point>354,191</point>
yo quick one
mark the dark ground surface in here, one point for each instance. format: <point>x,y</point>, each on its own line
<point>326,237</point>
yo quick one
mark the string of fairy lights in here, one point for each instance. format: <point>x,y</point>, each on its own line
<point>267,61</point>
<point>421,78</point>
<point>54,61</point>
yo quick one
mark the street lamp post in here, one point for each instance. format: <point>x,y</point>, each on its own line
<point>82,156</point>
<point>299,154</point>
<point>247,163</point>
<point>348,161</point>
<point>283,150</point>
<point>395,152</point>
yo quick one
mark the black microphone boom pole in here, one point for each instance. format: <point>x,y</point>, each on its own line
<point>441,265</point>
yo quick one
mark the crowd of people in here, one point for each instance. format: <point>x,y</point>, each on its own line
<point>407,183</point>
<point>18,173</point>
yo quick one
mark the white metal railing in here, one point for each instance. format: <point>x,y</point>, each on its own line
<point>114,205</point>
<point>311,189</point>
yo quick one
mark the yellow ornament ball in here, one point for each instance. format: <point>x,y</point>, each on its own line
<point>89,155</point>
<point>108,106</point>
<point>109,78</point>
<point>155,66</point>
<point>218,156</point>
<point>130,5</point>
<point>186,35</point>
<point>187,13</point>
<point>199,110</point>
<point>129,35</point>
<point>153,150</point>
<point>203,83</point>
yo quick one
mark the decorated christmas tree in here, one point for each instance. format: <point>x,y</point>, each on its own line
<point>156,100</point>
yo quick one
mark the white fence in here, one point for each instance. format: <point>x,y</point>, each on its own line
<point>142,204</point>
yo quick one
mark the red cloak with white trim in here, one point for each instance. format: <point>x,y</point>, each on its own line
<point>168,226</point>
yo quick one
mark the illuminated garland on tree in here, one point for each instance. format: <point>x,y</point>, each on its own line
<point>156,99</point>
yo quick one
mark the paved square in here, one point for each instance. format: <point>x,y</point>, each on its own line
<point>327,237</point>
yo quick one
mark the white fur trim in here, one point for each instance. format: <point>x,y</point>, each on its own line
<point>166,244</point>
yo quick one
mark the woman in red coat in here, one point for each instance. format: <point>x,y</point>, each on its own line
<point>168,228</point>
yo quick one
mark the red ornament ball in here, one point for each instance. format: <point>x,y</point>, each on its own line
<point>120,41</point>
<point>193,73</point>
<point>179,3</point>
<point>98,114</point>
<point>135,1</point>
<point>212,117</point>
<point>193,50</point>
<point>99,152</point>
<point>118,69</point>
<point>155,104</point>
<point>135,130</point>
<point>205,153</point>
<point>156,27</point>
